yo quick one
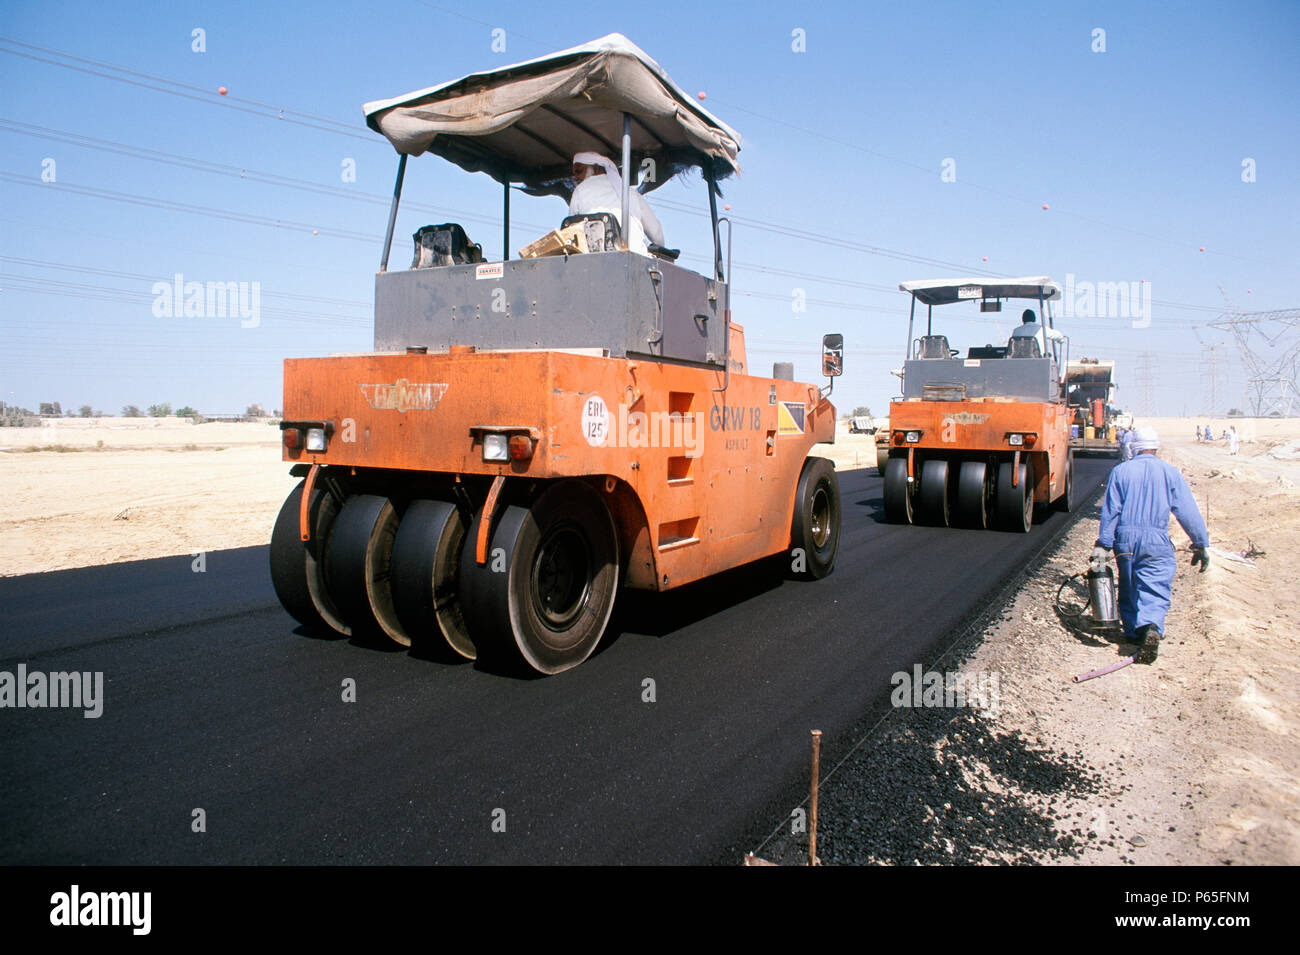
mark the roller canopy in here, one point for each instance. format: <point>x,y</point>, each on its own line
<point>947,291</point>
<point>523,123</point>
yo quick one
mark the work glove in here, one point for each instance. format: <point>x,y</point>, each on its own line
<point>1098,559</point>
<point>1200,556</point>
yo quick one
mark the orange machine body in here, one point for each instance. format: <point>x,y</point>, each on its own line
<point>698,479</point>
<point>982,426</point>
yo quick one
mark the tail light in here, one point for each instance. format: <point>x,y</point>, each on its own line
<point>521,447</point>
<point>292,439</point>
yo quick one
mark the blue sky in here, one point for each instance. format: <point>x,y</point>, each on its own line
<point>1137,151</point>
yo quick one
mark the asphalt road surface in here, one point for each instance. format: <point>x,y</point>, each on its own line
<point>215,700</point>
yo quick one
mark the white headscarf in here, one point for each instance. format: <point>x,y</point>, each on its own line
<point>596,159</point>
<point>1146,439</point>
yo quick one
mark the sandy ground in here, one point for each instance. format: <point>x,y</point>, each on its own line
<point>156,488</point>
<point>1192,760</point>
<point>1199,750</point>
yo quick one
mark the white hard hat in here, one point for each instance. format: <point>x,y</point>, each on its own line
<point>1146,439</point>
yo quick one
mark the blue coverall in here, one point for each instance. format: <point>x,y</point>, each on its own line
<point>1140,495</point>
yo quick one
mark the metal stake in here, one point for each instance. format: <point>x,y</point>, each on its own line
<point>812,813</point>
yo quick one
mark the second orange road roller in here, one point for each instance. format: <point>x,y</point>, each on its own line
<point>981,439</point>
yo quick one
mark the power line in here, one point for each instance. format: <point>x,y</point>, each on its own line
<point>176,88</point>
<point>244,173</point>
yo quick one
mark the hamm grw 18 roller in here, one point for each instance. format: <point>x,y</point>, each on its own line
<point>531,434</point>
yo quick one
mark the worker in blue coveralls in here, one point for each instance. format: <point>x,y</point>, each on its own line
<point>1126,445</point>
<point>1140,495</point>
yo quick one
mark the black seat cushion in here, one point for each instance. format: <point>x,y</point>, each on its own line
<point>445,244</point>
<point>601,228</point>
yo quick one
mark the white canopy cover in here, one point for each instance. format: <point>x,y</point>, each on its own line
<point>947,291</point>
<point>524,123</point>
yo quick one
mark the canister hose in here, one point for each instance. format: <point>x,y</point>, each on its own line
<point>1072,615</point>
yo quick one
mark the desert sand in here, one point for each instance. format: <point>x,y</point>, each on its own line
<point>154,488</point>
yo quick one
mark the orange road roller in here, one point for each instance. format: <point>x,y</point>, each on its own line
<point>532,434</point>
<point>981,439</point>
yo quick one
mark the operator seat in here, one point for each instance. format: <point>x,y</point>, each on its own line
<point>934,346</point>
<point>602,230</point>
<point>1024,347</point>
<point>445,244</point>
<point>603,234</point>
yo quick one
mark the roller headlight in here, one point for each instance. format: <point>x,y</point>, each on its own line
<point>496,447</point>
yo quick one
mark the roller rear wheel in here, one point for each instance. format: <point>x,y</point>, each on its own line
<point>358,567</point>
<point>1015,504</point>
<point>973,494</point>
<point>544,596</point>
<point>933,496</point>
<point>898,495</point>
<point>426,577</point>
<point>1066,501</point>
<point>296,567</point>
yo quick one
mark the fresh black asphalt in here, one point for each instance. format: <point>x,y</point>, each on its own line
<point>214,699</point>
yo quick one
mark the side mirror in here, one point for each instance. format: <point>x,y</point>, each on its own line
<point>832,355</point>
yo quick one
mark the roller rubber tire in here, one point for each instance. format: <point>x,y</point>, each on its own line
<point>426,578</point>
<point>542,600</point>
<point>898,499</point>
<point>358,567</point>
<point>815,526</point>
<point>973,494</point>
<point>932,498</point>
<point>1015,504</point>
<point>296,569</point>
<point>1066,501</point>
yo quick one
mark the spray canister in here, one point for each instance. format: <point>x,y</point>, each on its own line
<point>1103,607</point>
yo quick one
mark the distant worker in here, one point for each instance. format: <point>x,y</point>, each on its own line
<point>1233,441</point>
<point>1198,432</point>
<point>1029,328</point>
<point>1126,445</point>
<point>1140,496</point>
<point>599,188</point>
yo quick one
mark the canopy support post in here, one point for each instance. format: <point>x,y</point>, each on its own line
<point>392,213</point>
<point>929,320</point>
<point>713,214</point>
<point>626,222</point>
<point>505,228</point>
<point>907,352</point>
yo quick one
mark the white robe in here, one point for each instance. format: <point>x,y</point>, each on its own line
<point>597,194</point>
<point>1041,332</point>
